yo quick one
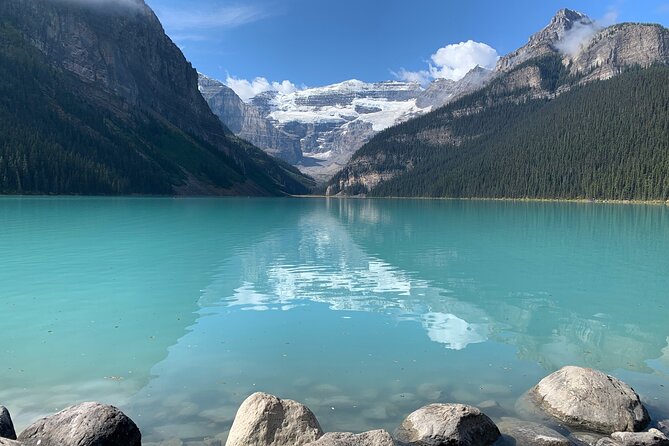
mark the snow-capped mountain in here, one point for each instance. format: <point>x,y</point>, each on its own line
<point>248,122</point>
<point>328,124</point>
<point>332,122</point>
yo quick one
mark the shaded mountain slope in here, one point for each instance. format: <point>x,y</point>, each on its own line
<point>100,101</point>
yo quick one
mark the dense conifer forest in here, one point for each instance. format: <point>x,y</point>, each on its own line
<point>603,140</point>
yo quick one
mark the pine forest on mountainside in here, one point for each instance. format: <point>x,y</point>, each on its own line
<point>605,140</point>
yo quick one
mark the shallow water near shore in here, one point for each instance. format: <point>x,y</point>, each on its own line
<point>176,310</point>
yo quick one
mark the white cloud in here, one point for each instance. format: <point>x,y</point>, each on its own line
<point>456,60</point>
<point>582,32</point>
<point>422,77</point>
<point>453,62</point>
<point>226,17</point>
<point>246,89</point>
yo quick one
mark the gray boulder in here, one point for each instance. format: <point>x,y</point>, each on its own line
<point>265,420</point>
<point>447,424</point>
<point>86,424</point>
<point>527,433</point>
<point>371,438</point>
<point>585,438</point>
<point>651,438</point>
<point>590,399</point>
<point>6,425</point>
<point>8,442</point>
<point>663,426</point>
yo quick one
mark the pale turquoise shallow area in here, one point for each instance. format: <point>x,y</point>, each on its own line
<point>177,309</point>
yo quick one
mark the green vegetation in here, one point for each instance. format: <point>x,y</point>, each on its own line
<point>605,140</point>
<point>61,136</point>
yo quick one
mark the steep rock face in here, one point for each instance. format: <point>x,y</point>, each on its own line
<point>617,47</point>
<point>544,41</point>
<point>318,129</point>
<point>142,98</point>
<point>247,122</point>
<point>121,49</point>
<point>442,91</point>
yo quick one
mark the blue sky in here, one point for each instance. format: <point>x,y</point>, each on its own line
<point>318,42</point>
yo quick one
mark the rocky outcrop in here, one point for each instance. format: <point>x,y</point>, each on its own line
<point>442,91</point>
<point>247,122</point>
<point>528,77</point>
<point>447,424</point>
<point>265,420</point>
<point>652,437</point>
<point>544,41</point>
<point>6,424</point>
<point>585,438</point>
<point>86,424</point>
<point>526,433</point>
<point>663,426</point>
<point>590,399</point>
<point>360,175</point>
<point>618,47</point>
<point>371,438</point>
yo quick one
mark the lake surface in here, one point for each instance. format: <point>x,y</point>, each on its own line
<point>177,309</point>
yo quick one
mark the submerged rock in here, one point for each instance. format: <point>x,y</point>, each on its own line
<point>585,438</point>
<point>86,424</point>
<point>6,425</point>
<point>371,438</point>
<point>590,399</point>
<point>265,420</point>
<point>663,426</point>
<point>527,433</point>
<point>651,438</point>
<point>447,424</point>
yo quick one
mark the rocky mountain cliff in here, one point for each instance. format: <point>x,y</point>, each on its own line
<point>141,98</point>
<point>570,53</point>
<point>318,129</point>
<point>442,91</point>
<point>545,41</point>
<point>247,121</point>
<point>611,50</point>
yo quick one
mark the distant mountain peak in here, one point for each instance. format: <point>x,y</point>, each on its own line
<point>544,41</point>
<point>566,14</point>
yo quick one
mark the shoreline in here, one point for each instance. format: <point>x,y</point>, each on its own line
<point>556,411</point>
<point>350,197</point>
<point>511,200</point>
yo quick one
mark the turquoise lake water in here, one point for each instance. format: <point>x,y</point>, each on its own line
<point>176,310</point>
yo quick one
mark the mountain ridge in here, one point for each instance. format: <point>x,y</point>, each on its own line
<point>321,127</point>
<point>544,74</point>
<point>126,89</point>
